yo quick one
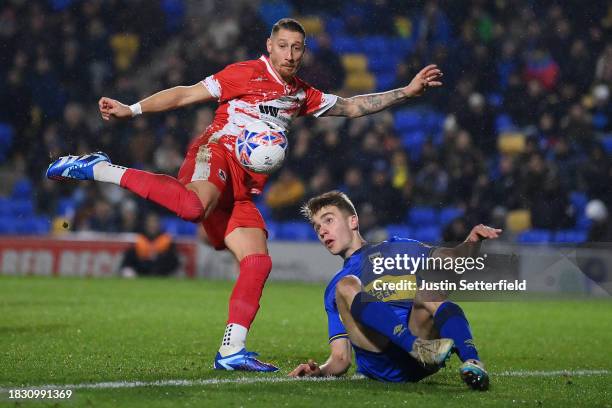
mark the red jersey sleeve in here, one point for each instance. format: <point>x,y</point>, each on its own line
<point>317,102</point>
<point>230,82</point>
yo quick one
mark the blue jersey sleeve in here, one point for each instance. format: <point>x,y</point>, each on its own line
<point>335,328</point>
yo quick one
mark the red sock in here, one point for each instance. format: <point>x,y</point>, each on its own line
<point>165,191</point>
<point>244,302</point>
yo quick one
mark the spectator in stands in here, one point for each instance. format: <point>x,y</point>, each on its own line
<point>603,67</point>
<point>596,174</point>
<point>355,186</point>
<point>544,196</point>
<point>386,199</point>
<point>285,195</point>
<point>153,254</point>
<point>601,227</point>
<point>431,184</point>
<point>456,231</point>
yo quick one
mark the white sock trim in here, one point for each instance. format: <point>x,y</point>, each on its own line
<point>108,173</point>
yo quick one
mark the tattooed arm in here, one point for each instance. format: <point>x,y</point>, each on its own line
<point>362,105</point>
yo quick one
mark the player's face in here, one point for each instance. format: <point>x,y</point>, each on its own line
<point>335,229</point>
<point>286,49</point>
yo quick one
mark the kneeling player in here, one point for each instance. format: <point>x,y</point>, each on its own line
<point>393,341</point>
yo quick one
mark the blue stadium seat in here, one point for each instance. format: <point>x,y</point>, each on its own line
<point>334,26</point>
<point>386,63</point>
<point>448,214</point>
<point>413,142</point>
<point>583,223</point>
<point>409,119</point>
<point>272,11</point>
<point>535,236</point>
<point>296,231</point>
<point>600,121</point>
<point>187,228</point>
<point>401,46</point>
<point>579,200</point>
<point>265,211</point>
<point>606,141</point>
<point>375,45</point>
<point>434,122</point>
<point>8,225</point>
<point>17,208</point>
<point>272,228</point>
<point>7,135</point>
<point>4,207</point>
<point>176,226</point>
<point>570,236</point>
<point>66,207</point>
<point>33,225</point>
<point>399,230</point>
<point>174,11</point>
<point>384,81</point>
<point>422,216</point>
<point>427,234</point>
<point>343,44</point>
<point>496,100</point>
<point>22,189</point>
<point>503,123</point>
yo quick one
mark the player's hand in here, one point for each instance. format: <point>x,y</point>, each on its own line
<point>481,232</point>
<point>310,369</point>
<point>112,108</point>
<point>428,77</point>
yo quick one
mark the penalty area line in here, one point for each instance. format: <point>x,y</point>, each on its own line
<point>273,380</point>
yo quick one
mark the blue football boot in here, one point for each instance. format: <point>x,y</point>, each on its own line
<point>75,167</point>
<point>474,375</point>
<point>243,361</point>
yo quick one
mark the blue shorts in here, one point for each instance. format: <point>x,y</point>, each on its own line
<point>394,364</point>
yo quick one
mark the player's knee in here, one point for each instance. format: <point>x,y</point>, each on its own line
<point>348,287</point>
<point>195,206</point>
<point>430,306</point>
<point>191,207</point>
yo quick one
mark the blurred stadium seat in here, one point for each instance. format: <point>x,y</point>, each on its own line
<point>535,236</point>
<point>296,231</point>
<point>422,216</point>
<point>448,214</point>
<point>399,230</point>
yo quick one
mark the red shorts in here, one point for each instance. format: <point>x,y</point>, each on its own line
<point>216,162</point>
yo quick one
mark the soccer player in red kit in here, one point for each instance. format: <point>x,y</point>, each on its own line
<point>212,187</point>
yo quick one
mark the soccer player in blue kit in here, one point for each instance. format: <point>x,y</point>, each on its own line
<point>396,341</point>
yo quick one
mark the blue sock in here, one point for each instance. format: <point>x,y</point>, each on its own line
<point>379,316</point>
<point>452,324</point>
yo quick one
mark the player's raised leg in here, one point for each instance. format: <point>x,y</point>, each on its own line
<point>249,247</point>
<point>374,324</point>
<point>191,200</point>
<point>449,321</point>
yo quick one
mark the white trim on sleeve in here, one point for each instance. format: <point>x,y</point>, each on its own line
<point>327,102</point>
<point>213,86</point>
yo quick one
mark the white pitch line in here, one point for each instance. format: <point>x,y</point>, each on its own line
<point>577,373</point>
<point>272,380</point>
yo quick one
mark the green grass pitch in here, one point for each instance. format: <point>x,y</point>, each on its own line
<point>77,331</point>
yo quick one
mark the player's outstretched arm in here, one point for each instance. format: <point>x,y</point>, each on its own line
<point>361,105</point>
<point>336,365</point>
<point>471,246</point>
<point>167,99</point>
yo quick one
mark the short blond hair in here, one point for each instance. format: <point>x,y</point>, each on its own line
<point>332,198</point>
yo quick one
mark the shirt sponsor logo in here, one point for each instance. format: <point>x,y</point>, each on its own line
<point>269,110</point>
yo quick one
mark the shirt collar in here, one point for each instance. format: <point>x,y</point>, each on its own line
<point>273,72</point>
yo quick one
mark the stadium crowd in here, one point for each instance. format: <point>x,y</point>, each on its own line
<point>523,121</point>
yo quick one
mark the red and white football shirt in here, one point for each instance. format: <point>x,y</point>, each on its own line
<point>251,90</point>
